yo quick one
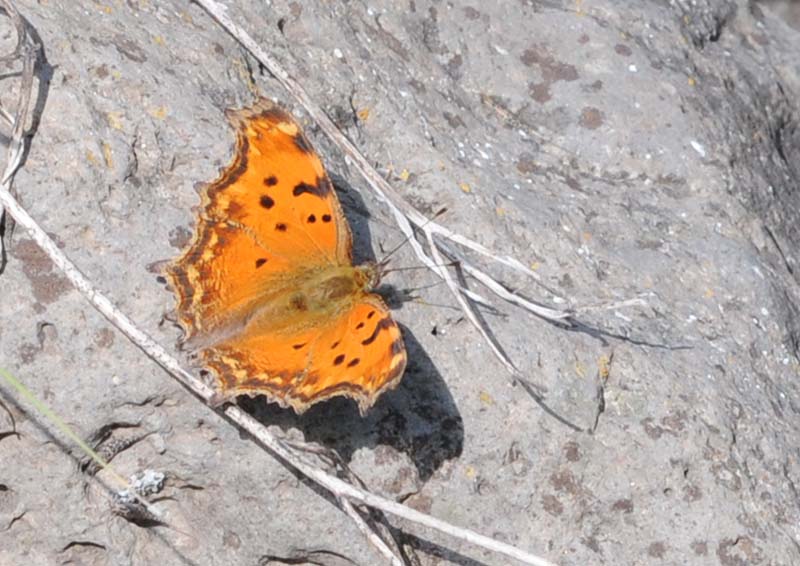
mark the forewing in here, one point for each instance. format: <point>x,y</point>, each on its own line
<point>270,216</point>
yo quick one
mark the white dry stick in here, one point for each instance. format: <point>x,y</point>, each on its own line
<point>367,531</point>
<point>468,311</point>
<point>404,213</point>
<point>26,51</point>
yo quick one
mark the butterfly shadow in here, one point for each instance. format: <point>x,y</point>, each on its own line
<point>418,418</point>
<point>358,218</point>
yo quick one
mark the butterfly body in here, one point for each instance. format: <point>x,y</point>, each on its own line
<point>267,291</point>
<point>311,298</point>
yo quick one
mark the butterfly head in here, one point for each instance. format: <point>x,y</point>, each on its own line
<point>368,275</point>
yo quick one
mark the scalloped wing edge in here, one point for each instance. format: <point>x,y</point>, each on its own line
<point>300,405</point>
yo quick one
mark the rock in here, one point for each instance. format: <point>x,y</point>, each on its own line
<point>650,152</point>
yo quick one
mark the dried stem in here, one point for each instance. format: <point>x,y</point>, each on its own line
<point>25,50</point>
<point>372,536</point>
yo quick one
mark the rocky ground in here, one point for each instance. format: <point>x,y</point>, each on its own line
<point>624,150</point>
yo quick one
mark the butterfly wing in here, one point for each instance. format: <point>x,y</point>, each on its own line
<point>357,354</point>
<point>271,213</point>
<point>269,226</point>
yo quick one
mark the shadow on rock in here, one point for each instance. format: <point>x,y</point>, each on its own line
<point>418,418</point>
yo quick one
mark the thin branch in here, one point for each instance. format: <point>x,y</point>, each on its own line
<point>470,312</point>
<point>499,290</point>
<point>373,537</point>
<point>25,50</point>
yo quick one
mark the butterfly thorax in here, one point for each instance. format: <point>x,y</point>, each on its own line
<point>317,293</point>
<point>324,289</point>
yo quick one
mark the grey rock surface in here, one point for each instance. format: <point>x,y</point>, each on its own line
<point>624,149</point>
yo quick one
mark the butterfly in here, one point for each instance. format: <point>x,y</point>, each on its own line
<point>267,293</point>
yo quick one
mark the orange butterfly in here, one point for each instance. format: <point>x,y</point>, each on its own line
<point>267,289</point>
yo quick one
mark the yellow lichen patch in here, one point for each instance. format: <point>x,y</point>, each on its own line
<point>500,211</point>
<point>158,112</point>
<point>404,175</point>
<point>91,157</point>
<point>108,155</point>
<point>114,120</point>
<point>692,81</point>
<point>470,472</point>
<point>465,187</point>
<point>604,367</point>
<point>363,114</point>
<point>580,370</point>
<point>158,40</point>
<point>535,265</point>
<point>486,399</point>
<point>709,293</point>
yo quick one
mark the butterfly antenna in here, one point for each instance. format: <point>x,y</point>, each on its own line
<point>382,263</point>
<point>453,263</point>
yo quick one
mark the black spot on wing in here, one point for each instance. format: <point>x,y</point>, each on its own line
<point>321,188</point>
<point>334,345</point>
<point>311,219</point>
<point>280,227</point>
<point>382,325</point>
<point>359,326</point>
<point>271,181</point>
<point>297,346</point>
<point>354,362</point>
<point>326,217</point>
<point>338,359</point>
<point>267,202</point>
<point>260,261</point>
